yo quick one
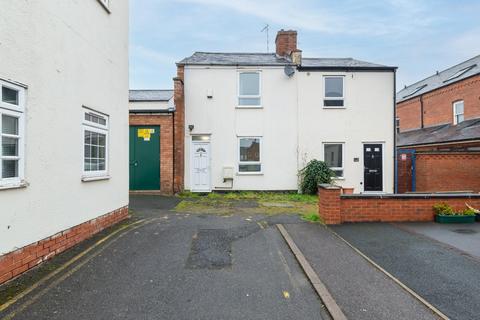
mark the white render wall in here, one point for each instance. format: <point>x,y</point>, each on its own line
<point>69,53</point>
<point>292,122</point>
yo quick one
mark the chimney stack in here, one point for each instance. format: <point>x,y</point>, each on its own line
<point>286,45</point>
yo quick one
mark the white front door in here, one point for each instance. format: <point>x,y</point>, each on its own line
<point>200,169</point>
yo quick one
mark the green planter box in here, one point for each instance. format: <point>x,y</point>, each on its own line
<point>454,219</point>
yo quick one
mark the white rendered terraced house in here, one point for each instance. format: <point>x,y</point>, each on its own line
<point>252,120</point>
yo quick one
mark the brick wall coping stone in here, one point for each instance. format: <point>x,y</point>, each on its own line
<point>329,186</point>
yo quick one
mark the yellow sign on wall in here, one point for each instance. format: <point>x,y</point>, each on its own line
<point>145,133</point>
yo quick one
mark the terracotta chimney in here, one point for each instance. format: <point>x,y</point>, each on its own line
<point>286,42</point>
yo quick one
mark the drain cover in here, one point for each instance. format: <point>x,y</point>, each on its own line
<point>465,231</point>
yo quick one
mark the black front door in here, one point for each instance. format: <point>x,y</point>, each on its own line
<point>372,171</point>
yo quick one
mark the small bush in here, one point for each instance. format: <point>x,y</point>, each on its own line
<point>315,172</point>
<point>311,217</point>
<point>445,210</point>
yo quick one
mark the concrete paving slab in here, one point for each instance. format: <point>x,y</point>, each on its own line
<point>361,291</point>
<point>443,276</point>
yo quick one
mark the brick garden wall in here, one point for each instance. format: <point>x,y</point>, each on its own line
<point>335,208</point>
<point>179,143</point>
<point>437,105</point>
<point>17,262</point>
<point>448,172</point>
<point>165,121</point>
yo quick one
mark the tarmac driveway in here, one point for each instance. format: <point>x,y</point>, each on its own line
<point>181,266</point>
<point>447,277</point>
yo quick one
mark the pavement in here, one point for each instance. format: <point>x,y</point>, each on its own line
<point>180,266</point>
<point>360,290</point>
<point>465,237</point>
<point>441,273</point>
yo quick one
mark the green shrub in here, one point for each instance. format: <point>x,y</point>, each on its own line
<point>311,217</point>
<point>315,172</point>
<point>445,210</point>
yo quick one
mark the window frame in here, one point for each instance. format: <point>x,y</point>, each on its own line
<point>455,114</point>
<point>259,96</point>
<point>95,128</point>
<point>342,98</point>
<point>16,111</point>
<point>343,159</point>
<point>240,162</point>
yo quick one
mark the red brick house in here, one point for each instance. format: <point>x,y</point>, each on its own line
<point>438,125</point>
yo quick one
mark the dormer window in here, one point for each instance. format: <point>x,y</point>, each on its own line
<point>334,93</point>
<point>249,89</point>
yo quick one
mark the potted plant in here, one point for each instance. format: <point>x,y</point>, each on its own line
<point>476,211</point>
<point>445,214</point>
<point>347,190</point>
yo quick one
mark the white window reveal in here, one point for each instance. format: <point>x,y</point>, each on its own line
<point>250,155</point>
<point>458,108</point>
<point>334,92</point>
<point>249,89</point>
<point>95,145</point>
<point>333,157</point>
<point>12,132</point>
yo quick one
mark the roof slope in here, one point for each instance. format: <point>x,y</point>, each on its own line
<point>150,95</point>
<point>463,70</point>
<point>466,130</point>
<point>271,59</point>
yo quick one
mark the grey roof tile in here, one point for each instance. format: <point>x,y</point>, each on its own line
<point>441,79</point>
<point>150,95</point>
<point>466,130</point>
<point>271,59</point>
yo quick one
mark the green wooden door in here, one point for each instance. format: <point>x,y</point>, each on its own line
<point>144,158</point>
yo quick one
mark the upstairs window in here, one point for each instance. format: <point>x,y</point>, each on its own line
<point>95,145</point>
<point>12,119</point>
<point>397,124</point>
<point>333,157</point>
<point>249,155</point>
<point>249,89</point>
<point>334,95</point>
<point>458,108</point>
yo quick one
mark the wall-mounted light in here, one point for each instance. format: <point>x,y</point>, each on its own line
<point>190,127</point>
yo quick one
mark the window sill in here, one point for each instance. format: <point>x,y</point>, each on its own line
<point>334,107</point>
<point>249,173</point>
<point>19,185</point>
<point>93,178</point>
<point>249,107</point>
<point>338,178</point>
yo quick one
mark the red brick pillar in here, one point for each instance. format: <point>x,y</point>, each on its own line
<point>179,131</point>
<point>329,203</point>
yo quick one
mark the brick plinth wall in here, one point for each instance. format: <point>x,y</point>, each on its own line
<point>17,262</point>
<point>329,204</point>
<point>336,208</point>
<point>165,121</point>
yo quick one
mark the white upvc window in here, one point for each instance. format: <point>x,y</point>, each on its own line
<point>249,155</point>
<point>249,89</point>
<point>333,92</point>
<point>95,144</point>
<point>333,155</point>
<point>12,132</point>
<point>458,110</point>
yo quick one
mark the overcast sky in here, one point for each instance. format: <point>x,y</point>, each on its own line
<point>418,36</point>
